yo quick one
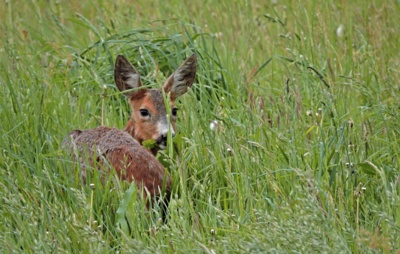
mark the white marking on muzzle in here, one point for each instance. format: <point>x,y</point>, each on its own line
<point>162,130</point>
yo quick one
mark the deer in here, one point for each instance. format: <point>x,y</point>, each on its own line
<point>110,148</point>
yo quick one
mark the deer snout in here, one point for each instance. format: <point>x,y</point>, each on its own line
<point>162,139</point>
<point>165,135</point>
<point>163,130</point>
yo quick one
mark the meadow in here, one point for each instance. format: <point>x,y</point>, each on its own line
<point>302,156</point>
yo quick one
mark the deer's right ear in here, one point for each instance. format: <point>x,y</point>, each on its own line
<point>125,76</point>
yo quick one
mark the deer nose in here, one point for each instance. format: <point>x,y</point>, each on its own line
<point>164,136</point>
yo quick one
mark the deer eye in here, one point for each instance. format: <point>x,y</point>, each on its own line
<point>144,112</point>
<point>174,111</point>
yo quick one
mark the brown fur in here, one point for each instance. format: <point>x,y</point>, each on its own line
<point>116,147</point>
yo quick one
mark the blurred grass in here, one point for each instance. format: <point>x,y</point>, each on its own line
<point>305,157</point>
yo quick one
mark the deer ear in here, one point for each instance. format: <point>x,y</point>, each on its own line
<point>183,78</point>
<point>125,76</point>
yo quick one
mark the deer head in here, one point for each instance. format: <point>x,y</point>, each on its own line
<point>149,113</point>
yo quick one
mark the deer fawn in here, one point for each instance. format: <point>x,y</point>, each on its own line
<point>122,150</point>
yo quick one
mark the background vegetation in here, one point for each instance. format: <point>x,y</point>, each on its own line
<point>304,157</point>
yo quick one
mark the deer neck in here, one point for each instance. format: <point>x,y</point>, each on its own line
<point>130,127</point>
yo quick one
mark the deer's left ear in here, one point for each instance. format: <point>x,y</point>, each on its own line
<point>183,78</point>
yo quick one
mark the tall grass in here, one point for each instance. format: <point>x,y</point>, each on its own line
<point>304,156</point>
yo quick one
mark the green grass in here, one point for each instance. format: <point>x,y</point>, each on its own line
<point>305,158</point>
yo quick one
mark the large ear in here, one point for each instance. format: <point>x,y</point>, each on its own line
<point>125,76</point>
<point>183,78</point>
